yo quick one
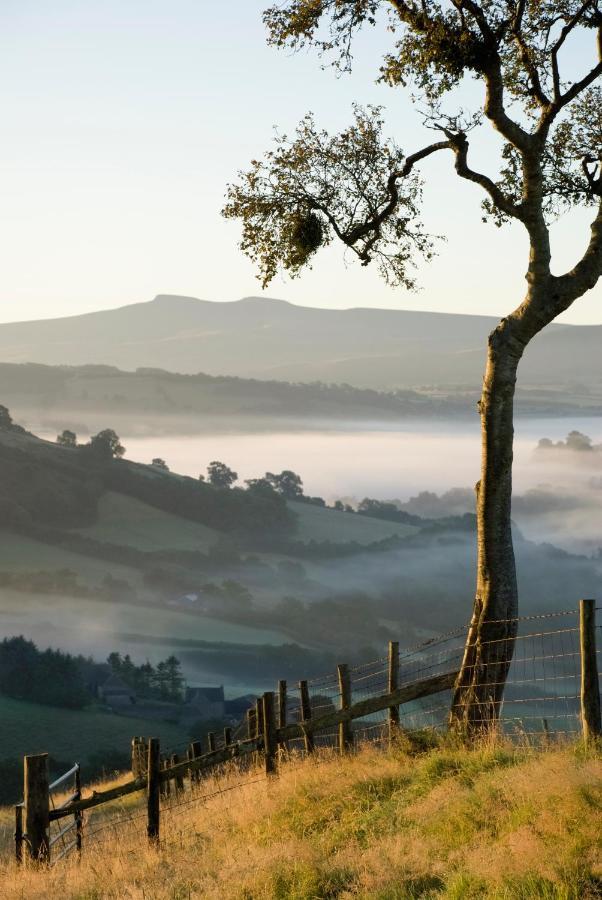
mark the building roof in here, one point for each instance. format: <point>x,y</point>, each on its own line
<point>211,694</point>
<point>116,685</point>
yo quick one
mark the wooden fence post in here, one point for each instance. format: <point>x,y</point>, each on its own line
<point>79,816</point>
<point>135,764</point>
<point>310,744</point>
<point>252,722</point>
<point>153,782</point>
<point>590,688</point>
<point>282,702</point>
<point>165,786</point>
<point>227,736</point>
<point>194,751</point>
<point>393,684</point>
<point>179,779</point>
<point>19,833</point>
<point>37,807</point>
<point>345,733</point>
<point>269,736</point>
<point>211,741</point>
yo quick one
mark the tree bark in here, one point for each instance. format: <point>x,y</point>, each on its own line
<point>478,692</point>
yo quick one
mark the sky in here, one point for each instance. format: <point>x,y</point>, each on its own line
<point>123,122</point>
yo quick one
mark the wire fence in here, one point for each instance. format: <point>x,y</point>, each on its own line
<point>542,698</point>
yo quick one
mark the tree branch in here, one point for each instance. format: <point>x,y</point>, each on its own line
<point>459,144</point>
<point>584,276</point>
<point>372,225</point>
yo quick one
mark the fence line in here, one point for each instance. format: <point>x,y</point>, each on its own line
<point>406,689</point>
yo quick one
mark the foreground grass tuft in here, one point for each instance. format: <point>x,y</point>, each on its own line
<point>427,819</point>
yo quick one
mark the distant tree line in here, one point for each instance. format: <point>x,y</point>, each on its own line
<point>161,682</point>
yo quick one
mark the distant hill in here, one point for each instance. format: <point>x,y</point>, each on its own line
<point>271,339</point>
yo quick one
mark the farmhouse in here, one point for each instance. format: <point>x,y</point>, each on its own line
<point>116,693</point>
<point>207,702</point>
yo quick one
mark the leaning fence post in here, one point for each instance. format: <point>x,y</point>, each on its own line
<point>19,833</point>
<point>269,736</point>
<point>306,716</point>
<point>282,701</point>
<point>37,806</point>
<point>79,816</point>
<point>345,735</point>
<point>153,782</point>
<point>393,684</point>
<point>590,688</point>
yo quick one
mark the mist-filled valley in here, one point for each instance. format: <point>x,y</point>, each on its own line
<point>234,531</point>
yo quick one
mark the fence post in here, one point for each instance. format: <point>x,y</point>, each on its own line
<point>282,702</point>
<point>194,751</point>
<point>79,816</point>
<point>590,688</point>
<point>134,763</point>
<point>165,787</point>
<point>179,779</point>
<point>37,806</point>
<point>252,723</point>
<point>19,833</point>
<point>393,684</point>
<point>306,716</point>
<point>345,735</point>
<point>227,736</point>
<point>153,782</point>
<point>269,736</point>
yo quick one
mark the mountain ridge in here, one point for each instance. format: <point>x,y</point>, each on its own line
<point>264,337</point>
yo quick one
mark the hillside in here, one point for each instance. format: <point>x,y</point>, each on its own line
<point>270,339</point>
<point>492,823</point>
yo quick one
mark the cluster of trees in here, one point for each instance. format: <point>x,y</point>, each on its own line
<point>50,677</point>
<point>575,440</point>
<point>161,682</point>
<point>105,445</point>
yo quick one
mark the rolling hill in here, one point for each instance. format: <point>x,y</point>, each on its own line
<point>271,339</point>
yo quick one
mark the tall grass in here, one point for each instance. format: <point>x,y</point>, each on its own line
<point>415,821</point>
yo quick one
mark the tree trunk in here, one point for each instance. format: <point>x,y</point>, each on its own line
<point>490,643</point>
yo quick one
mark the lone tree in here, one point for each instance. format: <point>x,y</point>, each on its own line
<point>364,190</point>
<point>220,475</point>
<point>287,483</point>
<point>106,444</point>
<point>67,438</point>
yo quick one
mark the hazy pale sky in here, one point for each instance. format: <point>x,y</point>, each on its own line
<point>124,120</point>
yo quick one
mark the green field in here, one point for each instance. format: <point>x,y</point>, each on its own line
<point>73,735</point>
<point>96,627</point>
<point>125,520</point>
<point>318,524</point>
<point>23,554</point>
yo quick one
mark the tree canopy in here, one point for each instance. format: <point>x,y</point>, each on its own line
<point>363,189</point>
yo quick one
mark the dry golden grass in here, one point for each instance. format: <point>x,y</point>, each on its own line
<point>441,822</point>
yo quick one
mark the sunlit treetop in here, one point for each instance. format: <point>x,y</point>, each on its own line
<point>364,190</point>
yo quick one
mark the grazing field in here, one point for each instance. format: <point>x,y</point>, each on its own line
<point>318,524</point>
<point>489,823</point>
<point>73,735</point>
<point>125,520</point>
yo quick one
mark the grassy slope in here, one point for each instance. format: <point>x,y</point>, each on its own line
<point>125,520</point>
<point>19,553</point>
<point>489,823</point>
<point>72,735</point>
<point>318,524</point>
